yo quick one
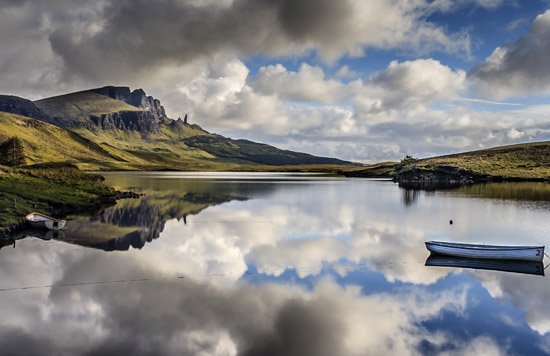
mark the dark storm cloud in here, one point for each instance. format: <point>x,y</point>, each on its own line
<point>117,40</point>
<point>134,35</point>
<point>518,68</point>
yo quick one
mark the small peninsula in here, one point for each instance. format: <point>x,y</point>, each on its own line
<point>523,162</point>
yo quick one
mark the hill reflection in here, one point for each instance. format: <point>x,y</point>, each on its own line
<point>133,223</point>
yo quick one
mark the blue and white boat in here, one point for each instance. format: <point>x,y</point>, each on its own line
<point>525,253</point>
<point>41,221</point>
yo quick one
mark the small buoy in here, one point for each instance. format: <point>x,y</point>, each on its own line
<point>450,222</point>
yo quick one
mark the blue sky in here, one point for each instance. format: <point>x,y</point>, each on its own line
<point>364,81</point>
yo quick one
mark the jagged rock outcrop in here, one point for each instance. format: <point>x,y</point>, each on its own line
<point>141,100</point>
<point>136,98</point>
<point>180,126</point>
<point>436,177</point>
<point>143,121</point>
<point>20,106</point>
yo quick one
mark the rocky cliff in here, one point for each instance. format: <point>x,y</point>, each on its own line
<point>20,106</point>
<point>143,121</point>
<point>137,98</point>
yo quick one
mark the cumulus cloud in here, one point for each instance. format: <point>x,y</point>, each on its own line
<point>410,85</point>
<point>308,84</point>
<point>411,107</point>
<point>518,68</point>
<point>82,43</point>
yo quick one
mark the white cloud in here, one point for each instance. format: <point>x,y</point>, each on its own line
<point>414,84</point>
<point>518,68</point>
<point>308,84</point>
<point>411,107</point>
<point>59,47</point>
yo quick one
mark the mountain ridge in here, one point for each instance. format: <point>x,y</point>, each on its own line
<point>130,124</point>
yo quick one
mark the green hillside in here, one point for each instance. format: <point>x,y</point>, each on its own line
<point>53,189</point>
<point>45,142</point>
<point>522,161</point>
<point>81,105</point>
<point>528,161</point>
<point>246,152</point>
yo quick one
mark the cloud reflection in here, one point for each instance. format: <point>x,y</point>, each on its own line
<point>190,317</point>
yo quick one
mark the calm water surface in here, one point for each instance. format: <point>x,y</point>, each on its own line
<point>277,264</point>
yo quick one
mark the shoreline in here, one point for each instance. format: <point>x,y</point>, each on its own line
<point>55,189</point>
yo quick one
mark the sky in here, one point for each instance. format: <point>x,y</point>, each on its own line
<point>366,81</point>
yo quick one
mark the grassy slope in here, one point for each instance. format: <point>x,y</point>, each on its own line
<point>164,151</point>
<point>80,106</point>
<point>248,152</point>
<point>45,188</point>
<point>528,161</point>
<point>44,142</point>
<point>523,161</point>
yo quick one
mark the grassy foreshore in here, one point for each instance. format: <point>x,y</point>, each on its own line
<point>523,162</point>
<point>55,189</point>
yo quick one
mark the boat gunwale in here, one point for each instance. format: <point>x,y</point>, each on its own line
<point>27,217</point>
<point>464,246</point>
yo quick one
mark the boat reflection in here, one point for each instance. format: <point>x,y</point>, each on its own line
<point>46,234</point>
<point>514,266</point>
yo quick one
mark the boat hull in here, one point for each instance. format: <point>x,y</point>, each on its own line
<point>524,253</point>
<point>40,221</point>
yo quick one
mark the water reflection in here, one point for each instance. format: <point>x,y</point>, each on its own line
<point>410,196</point>
<point>268,266</point>
<point>521,191</point>
<point>515,266</point>
<point>133,222</point>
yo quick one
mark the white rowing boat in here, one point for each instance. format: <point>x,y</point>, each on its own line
<point>41,221</point>
<point>526,253</point>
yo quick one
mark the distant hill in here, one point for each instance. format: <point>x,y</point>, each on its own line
<point>528,161</point>
<point>132,131</point>
<point>245,151</point>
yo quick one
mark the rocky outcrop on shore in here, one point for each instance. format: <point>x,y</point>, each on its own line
<point>436,177</point>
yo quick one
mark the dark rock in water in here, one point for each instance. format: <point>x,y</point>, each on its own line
<point>20,106</point>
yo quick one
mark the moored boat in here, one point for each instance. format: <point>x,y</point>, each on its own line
<point>526,253</point>
<point>515,266</point>
<point>41,221</point>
